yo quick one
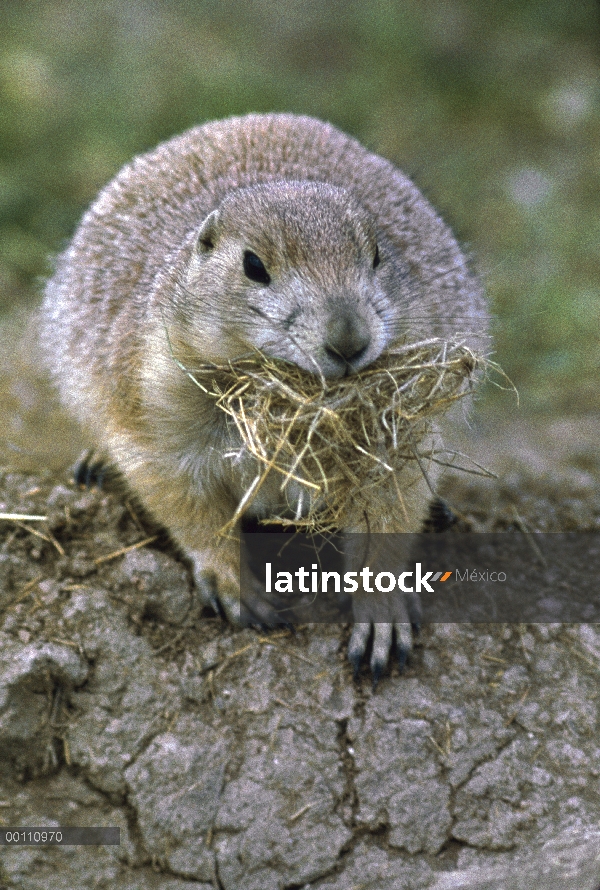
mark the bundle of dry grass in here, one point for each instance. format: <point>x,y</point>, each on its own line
<point>337,438</point>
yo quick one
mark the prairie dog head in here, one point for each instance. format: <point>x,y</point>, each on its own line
<point>295,269</point>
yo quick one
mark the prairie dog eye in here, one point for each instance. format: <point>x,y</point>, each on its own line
<point>254,268</point>
<point>376,258</point>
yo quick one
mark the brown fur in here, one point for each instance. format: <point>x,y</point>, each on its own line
<point>151,274</point>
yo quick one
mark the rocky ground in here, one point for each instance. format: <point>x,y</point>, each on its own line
<point>230,758</point>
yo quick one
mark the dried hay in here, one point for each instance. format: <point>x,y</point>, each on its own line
<point>337,439</point>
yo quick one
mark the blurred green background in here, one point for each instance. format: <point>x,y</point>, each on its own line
<point>493,109</point>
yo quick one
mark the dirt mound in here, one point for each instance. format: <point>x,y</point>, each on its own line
<point>231,758</point>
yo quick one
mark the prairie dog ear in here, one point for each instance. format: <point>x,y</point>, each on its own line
<point>206,238</point>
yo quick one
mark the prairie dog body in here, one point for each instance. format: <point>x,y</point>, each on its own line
<point>274,232</point>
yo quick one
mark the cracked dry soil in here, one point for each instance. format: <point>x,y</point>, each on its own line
<point>231,759</point>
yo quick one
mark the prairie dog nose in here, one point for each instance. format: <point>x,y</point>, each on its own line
<point>347,339</point>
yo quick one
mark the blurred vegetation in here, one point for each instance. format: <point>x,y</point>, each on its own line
<point>492,108</point>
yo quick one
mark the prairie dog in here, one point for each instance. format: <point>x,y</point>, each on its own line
<point>271,231</point>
